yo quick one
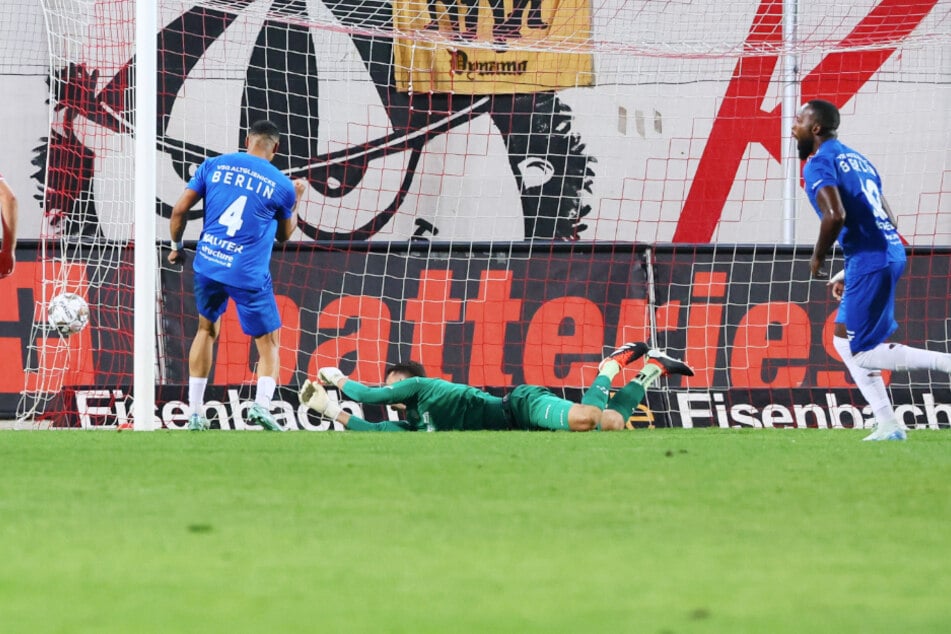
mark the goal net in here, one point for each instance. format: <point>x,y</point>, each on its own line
<point>503,191</point>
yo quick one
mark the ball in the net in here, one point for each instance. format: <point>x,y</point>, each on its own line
<point>68,313</point>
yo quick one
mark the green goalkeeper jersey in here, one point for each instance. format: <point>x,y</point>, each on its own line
<point>435,404</point>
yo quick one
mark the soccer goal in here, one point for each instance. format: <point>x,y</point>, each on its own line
<point>501,190</point>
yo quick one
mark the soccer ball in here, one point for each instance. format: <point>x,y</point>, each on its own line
<point>68,313</point>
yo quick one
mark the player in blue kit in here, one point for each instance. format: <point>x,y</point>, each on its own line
<point>248,203</point>
<point>846,191</point>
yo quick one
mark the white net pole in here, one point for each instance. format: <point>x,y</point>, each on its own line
<point>790,160</point>
<point>146,63</point>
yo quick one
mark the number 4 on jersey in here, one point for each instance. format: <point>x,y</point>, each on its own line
<point>231,217</point>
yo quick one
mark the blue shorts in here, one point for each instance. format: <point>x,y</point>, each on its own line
<point>257,310</point>
<point>868,307</point>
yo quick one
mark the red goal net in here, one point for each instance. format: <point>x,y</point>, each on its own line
<point>500,190</point>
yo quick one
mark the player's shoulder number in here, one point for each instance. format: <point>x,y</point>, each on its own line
<point>874,197</point>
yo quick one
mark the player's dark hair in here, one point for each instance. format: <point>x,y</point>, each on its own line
<point>827,116</point>
<point>409,368</point>
<point>265,128</point>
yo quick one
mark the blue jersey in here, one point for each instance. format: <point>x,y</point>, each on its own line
<point>868,238</point>
<point>245,196</point>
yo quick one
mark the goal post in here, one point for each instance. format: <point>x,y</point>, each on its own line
<point>146,269</point>
<point>502,190</point>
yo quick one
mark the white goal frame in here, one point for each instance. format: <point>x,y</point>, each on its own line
<point>146,269</point>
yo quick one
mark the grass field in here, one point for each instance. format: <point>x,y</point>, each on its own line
<point>663,531</point>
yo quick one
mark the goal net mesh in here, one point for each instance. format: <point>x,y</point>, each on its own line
<point>500,190</point>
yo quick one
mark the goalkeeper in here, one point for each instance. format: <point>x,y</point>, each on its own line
<point>428,404</point>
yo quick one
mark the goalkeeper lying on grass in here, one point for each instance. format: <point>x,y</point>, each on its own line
<point>437,405</point>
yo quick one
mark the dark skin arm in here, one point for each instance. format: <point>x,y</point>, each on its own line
<point>8,209</point>
<point>286,226</point>
<point>838,285</point>
<point>178,220</point>
<point>833,218</point>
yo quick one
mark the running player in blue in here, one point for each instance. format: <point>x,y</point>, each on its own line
<point>846,191</point>
<point>436,405</point>
<point>248,203</point>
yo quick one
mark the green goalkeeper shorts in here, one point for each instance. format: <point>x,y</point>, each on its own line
<point>534,407</point>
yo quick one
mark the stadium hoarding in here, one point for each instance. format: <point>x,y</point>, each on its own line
<point>801,408</point>
<point>226,409</point>
<point>748,319</point>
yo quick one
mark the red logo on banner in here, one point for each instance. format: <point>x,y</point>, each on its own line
<point>741,121</point>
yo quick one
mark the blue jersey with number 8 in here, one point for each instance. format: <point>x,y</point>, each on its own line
<point>869,240</point>
<point>244,196</point>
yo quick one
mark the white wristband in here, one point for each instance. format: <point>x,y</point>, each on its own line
<point>332,411</point>
<point>838,277</point>
<point>178,246</point>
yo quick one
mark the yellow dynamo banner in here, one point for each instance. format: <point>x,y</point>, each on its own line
<point>481,47</point>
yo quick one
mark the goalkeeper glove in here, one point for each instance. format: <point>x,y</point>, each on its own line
<point>315,397</point>
<point>330,376</point>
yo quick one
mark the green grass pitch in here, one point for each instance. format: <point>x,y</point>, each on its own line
<point>663,531</point>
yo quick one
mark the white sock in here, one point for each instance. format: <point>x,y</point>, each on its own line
<point>196,393</point>
<point>896,356</point>
<point>610,368</point>
<point>650,373</point>
<point>265,391</point>
<point>870,384</point>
